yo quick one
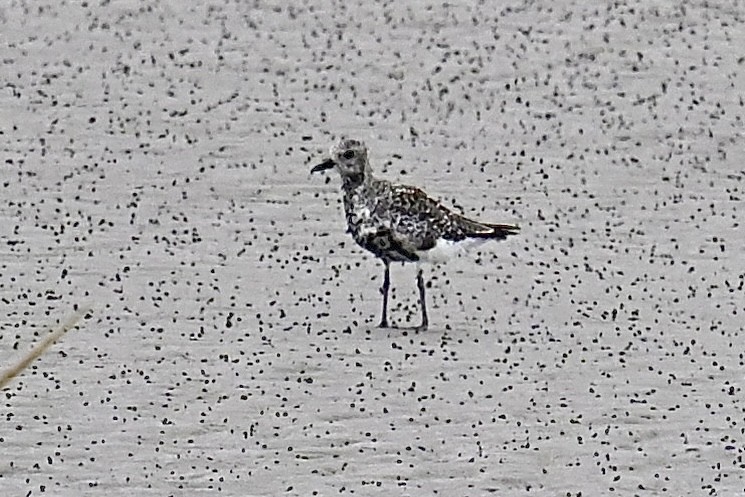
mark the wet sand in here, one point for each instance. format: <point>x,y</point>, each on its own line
<point>156,161</point>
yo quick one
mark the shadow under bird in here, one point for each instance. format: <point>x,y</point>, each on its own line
<point>401,223</point>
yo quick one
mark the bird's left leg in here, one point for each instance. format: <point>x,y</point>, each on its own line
<point>422,300</point>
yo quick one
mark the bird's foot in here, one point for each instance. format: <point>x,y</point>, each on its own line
<point>383,323</point>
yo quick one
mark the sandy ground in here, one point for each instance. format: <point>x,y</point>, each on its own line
<point>155,160</point>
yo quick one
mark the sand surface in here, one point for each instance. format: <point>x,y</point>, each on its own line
<point>155,166</point>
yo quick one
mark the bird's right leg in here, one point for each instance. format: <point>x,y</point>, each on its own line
<point>384,290</point>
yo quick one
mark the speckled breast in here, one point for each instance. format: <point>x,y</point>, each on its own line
<point>365,226</point>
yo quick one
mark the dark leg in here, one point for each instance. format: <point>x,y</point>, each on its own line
<point>384,291</point>
<point>422,300</point>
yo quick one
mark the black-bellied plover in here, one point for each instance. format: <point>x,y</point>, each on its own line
<point>401,223</point>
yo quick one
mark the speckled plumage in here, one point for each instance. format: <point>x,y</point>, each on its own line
<point>398,223</point>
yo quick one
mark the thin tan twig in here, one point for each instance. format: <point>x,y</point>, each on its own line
<point>41,347</point>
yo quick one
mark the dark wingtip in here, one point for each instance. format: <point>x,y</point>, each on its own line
<point>497,231</point>
<point>507,229</point>
<point>327,164</point>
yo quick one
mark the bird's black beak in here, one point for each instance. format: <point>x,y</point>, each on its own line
<point>327,164</point>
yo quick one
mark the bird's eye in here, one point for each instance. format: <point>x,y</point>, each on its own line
<point>349,154</point>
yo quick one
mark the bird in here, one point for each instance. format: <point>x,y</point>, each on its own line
<point>400,223</point>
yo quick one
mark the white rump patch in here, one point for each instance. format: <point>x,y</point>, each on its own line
<point>447,249</point>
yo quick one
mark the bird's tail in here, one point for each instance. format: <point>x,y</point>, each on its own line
<point>499,231</point>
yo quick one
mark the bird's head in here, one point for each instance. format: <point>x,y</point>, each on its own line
<point>349,158</point>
